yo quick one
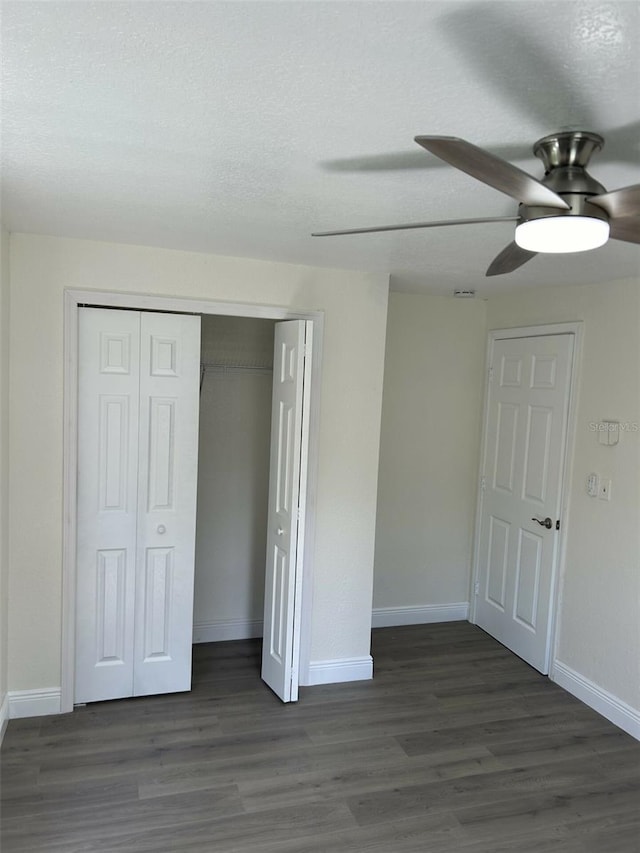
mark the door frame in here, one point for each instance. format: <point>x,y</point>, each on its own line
<point>558,569</point>
<point>73,300</point>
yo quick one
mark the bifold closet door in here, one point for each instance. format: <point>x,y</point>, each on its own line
<point>285,525</point>
<point>137,466</point>
<point>108,420</point>
<point>167,488</point>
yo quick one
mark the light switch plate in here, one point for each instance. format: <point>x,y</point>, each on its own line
<point>609,433</point>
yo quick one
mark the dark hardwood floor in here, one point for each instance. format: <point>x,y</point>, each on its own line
<point>456,745</point>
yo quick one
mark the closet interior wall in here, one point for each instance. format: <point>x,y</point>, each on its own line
<point>233,477</point>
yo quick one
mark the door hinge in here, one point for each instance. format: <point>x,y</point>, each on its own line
<point>491,374</point>
<point>483,483</point>
<point>558,524</point>
<point>476,588</point>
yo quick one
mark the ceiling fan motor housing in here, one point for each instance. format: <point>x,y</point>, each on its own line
<point>565,156</point>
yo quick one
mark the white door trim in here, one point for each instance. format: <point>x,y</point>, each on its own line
<point>73,299</point>
<point>575,329</point>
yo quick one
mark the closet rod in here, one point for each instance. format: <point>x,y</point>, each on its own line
<point>233,368</point>
<point>215,367</point>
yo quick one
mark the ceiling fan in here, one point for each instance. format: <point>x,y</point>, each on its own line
<point>567,211</point>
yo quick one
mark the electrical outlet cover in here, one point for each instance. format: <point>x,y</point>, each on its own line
<point>604,492</point>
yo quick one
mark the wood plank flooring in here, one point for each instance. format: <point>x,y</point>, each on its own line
<point>456,746</point>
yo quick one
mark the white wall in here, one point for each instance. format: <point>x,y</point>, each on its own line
<point>4,472</point>
<point>355,306</point>
<point>429,449</point>
<point>599,620</point>
<point>233,478</point>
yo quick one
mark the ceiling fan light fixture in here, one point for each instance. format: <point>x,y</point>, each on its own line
<point>567,211</point>
<point>560,234</point>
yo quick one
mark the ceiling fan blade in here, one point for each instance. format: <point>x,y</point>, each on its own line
<point>407,226</point>
<point>622,202</point>
<point>488,37</point>
<point>491,170</point>
<point>509,259</point>
<point>626,228</point>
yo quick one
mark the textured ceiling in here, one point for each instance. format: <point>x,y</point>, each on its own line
<point>240,127</point>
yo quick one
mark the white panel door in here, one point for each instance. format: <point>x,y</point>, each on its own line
<point>527,414</point>
<point>108,386</point>
<point>168,469</point>
<point>137,469</point>
<point>285,521</point>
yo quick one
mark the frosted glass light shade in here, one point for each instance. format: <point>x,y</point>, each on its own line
<point>558,234</point>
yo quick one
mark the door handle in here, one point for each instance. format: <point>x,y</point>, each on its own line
<point>161,528</point>
<point>280,531</point>
<point>546,523</point>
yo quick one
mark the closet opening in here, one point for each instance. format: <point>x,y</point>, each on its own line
<point>236,376</point>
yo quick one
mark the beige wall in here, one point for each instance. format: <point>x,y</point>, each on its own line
<point>429,450</point>
<point>4,461</point>
<point>599,620</point>
<point>233,490</point>
<point>429,454</point>
<point>355,306</point>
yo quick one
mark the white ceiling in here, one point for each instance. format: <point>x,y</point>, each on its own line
<point>239,127</point>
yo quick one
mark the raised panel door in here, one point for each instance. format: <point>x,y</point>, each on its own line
<point>282,587</point>
<point>108,389</point>
<point>168,466</point>
<point>527,414</point>
<point>137,471</point>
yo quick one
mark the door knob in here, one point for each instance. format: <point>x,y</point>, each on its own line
<point>546,523</point>
<point>280,531</point>
<point>162,528</point>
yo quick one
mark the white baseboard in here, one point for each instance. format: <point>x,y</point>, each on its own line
<point>605,703</point>
<point>226,629</point>
<point>34,703</point>
<point>338,670</point>
<point>4,715</point>
<point>389,617</point>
